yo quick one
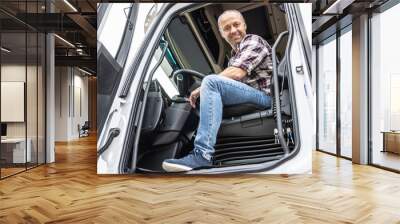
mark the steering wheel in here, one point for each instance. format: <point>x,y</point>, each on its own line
<point>180,84</point>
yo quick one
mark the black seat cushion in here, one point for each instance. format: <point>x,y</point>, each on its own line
<point>241,109</point>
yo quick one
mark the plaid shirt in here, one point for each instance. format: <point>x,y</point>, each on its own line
<point>254,55</point>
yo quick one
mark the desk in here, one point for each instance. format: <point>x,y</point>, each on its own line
<point>13,150</point>
<point>391,141</point>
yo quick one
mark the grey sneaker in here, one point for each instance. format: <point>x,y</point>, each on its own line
<point>191,161</point>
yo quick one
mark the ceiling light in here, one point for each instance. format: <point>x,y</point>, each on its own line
<point>70,5</point>
<point>64,40</point>
<point>84,71</point>
<point>337,7</point>
<point>5,50</point>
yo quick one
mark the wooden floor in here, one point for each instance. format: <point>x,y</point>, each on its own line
<point>387,159</point>
<point>70,191</point>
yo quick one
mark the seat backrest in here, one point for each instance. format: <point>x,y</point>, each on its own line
<point>248,108</point>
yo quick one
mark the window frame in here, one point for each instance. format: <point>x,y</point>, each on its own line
<point>333,37</point>
<point>381,9</point>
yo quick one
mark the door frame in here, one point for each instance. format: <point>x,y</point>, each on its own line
<point>156,34</point>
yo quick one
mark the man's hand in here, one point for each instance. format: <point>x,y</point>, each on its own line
<point>193,97</point>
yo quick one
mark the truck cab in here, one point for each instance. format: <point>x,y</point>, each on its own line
<point>145,117</point>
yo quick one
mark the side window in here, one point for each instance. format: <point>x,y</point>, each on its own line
<point>113,27</point>
<point>120,32</point>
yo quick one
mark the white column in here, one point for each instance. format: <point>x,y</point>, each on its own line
<point>360,90</point>
<point>50,99</point>
<point>50,92</point>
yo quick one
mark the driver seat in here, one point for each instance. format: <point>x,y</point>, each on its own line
<point>246,120</point>
<point>241,109</point>
<point>250,119</point>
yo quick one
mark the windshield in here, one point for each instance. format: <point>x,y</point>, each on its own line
<point>164,71</point>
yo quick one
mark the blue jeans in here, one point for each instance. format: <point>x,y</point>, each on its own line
<point>217,91</point>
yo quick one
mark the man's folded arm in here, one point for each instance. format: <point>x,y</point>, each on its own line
<point>234,73</point>
<point>251,53</point>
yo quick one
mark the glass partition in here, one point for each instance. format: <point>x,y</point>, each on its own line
<point>22,78</point>
<point>31,97</point>
<point>13,94</point>
<point>346,93</point>
<point>41,109</point>
<point>327,96</point>
<point>385,89</point>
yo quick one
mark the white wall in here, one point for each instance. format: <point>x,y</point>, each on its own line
<point>79,117</point>
<point>71,87</point>
<point>61,103</point>
<point>12,73</point>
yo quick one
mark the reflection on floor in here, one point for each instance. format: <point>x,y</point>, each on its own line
<point>10,169</point>
<point>386,159</point>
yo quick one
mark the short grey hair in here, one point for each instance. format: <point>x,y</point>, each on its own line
<point>231,11</point>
